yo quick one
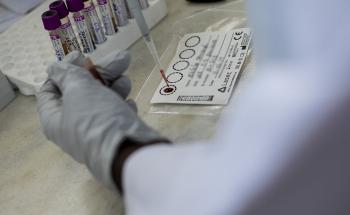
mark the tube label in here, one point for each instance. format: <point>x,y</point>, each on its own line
<point>120,11</point>
<point>57,45</point>
<point>107,18</point>
<point>95,26</point>
<point>84,34</point>
<point>69,37</point>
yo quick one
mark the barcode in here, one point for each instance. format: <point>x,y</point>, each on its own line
<point>195,98</point>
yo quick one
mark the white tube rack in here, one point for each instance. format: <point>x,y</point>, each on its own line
<point>26,50</point>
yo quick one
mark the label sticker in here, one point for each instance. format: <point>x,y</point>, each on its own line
<point>106,18</point>
<point>84,34</point>
<point>94,24</point>
<point>57,45</point>
<point>120,12</point>
<point>205,68</point>
<point>69,37</point>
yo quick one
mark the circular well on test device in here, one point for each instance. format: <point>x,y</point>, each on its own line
<point>192,41</point>
<point>167,90</point>
<point>181,65</point>
<point>187,54</point>
<point>175,77</point>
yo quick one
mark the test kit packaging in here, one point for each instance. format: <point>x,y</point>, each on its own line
<point>208,57</point>
<point>196,121</point>
<point>6,92</point>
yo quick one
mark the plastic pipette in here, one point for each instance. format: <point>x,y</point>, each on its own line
<point>136,11</point>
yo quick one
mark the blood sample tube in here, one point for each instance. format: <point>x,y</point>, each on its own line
<point>120,12</point>
<point>67,34</point>
<point>76,7</point>
<point>144,4</point>
<point>94,22</point>
<point>107,18</point>
<point>51,22</point>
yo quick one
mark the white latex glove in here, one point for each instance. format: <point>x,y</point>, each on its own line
<point>88,120</point>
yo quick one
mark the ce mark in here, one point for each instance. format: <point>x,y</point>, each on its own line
<point>238,35</point>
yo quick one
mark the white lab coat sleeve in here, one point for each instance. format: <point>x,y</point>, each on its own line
<point>283,144</point>
<point>299,30</point>
<point>282,147</point>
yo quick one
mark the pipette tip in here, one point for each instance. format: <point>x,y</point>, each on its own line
<point>163,75</point>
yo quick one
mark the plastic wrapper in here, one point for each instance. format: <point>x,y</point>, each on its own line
<point>179,121</point>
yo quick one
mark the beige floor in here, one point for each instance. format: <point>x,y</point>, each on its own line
<point>36,177</point>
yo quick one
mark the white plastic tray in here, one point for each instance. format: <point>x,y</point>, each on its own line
<point>26,49</point>
<point>6,92</point>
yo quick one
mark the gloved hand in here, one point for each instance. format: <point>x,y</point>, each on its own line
<point>110,69</point>
<point>90,121</point>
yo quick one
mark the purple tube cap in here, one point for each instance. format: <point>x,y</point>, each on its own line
<point>51,20</point>
<point>60,7</point>
<point>75,5</point>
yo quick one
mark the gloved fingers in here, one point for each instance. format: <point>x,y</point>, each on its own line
<point>49,107</point>
<point>68,76</point>
<point>75,58</point>
<point>48,98</point>
<point>122,86</point>
<point>110,67</point>
<point>132,105</point>
<point>113,65</point>
<point>78,59</point>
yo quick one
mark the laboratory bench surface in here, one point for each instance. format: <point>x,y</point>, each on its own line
<point>36,177</point>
